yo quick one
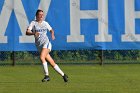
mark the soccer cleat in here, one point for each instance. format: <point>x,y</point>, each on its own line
<point>65,77</point>
<point>46,78</point>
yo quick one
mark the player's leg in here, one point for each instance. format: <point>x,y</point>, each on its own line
<point>44,63</point>
<point>47,49</point>
<point>56,67</point>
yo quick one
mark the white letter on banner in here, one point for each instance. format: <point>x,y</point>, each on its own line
<point>4,19</point>
<point>103,35</point>
<point>130,16</point>
<point>76,14</point>
<point>22,19</point>
<point>75,17</point>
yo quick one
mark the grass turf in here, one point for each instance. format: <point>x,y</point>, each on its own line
<point>82,79</point>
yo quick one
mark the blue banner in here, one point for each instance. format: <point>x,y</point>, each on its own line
<point>78,24</point>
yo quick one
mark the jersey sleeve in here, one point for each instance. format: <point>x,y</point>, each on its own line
<point>30,27</point>
<point>48,26</point>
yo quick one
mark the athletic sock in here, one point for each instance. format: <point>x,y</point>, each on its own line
<point>56,67</point>
<point>45,66</point>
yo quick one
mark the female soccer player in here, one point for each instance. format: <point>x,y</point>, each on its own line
<point>39,28</point>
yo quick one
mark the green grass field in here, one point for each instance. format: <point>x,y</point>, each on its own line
<point>82,79</point>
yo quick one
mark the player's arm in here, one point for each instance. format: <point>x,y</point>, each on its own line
<point>52,34</point>
<point>29,32</point>
<point>51,30</point>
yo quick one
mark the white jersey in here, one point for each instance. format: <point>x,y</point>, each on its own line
<point>41,28</point>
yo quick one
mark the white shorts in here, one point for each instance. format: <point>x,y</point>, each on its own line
<point>47,45</point>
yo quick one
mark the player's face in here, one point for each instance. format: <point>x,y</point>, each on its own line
<point>40,16</point>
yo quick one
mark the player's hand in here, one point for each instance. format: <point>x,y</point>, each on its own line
<point>36,34</point>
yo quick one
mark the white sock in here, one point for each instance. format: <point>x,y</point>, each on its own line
<point>56,67</point>
<point>45,66</point>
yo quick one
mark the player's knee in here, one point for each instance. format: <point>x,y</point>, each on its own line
<point>42,58</point>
